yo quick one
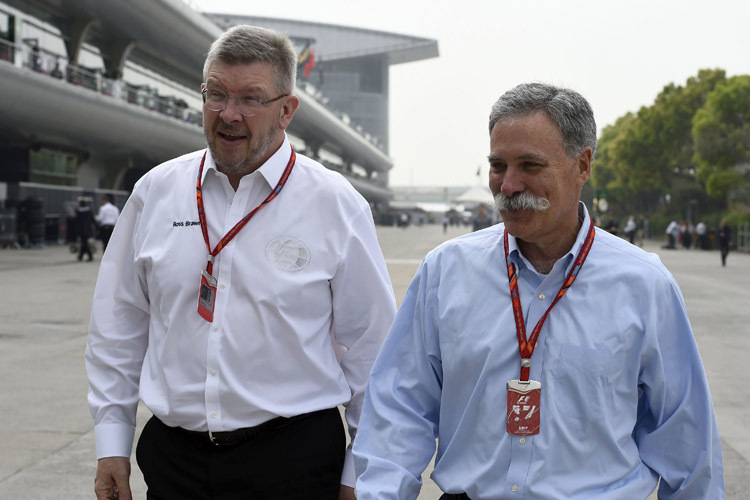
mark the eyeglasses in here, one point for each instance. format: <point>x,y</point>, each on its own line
<point>216,100</point>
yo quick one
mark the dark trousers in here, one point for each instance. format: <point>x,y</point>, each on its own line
<point>299,461</point>
<point>106,232</point>
<point>724,252</point>
<point>84,249</point>
<point>452,496</point>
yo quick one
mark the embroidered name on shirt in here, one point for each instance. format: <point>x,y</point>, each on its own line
<point>186,223</point>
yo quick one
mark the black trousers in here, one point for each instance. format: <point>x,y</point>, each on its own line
<point>84,248</point>
<point>106,232</point>
<point>724,253</point>
<point>299,461</point>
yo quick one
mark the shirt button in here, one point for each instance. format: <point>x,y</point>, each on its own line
<point>514,488</point>
<point>223,285</point>
<point>541,296</point>
<point>213,372</point>
<point>213,414</point>
<point>216,328</point>
<point>522,440</point>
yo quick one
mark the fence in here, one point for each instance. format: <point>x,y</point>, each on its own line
<point>55,66</point>
<point>743,237</point>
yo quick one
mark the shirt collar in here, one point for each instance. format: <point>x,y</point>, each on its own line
<point>520,261</point>
<point>271,170</point>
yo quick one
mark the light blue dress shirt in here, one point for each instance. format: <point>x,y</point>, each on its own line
<point>624,395</point>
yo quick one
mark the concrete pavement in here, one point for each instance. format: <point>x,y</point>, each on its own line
<point>47,449</point>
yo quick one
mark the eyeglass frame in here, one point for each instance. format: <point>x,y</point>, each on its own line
<point>226,100</point>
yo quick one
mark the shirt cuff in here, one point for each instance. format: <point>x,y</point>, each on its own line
<point>114,440</point>
<point>348,476</point>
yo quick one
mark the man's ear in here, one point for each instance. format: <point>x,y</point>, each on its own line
<point>291,103</point>
<point>583,164</point>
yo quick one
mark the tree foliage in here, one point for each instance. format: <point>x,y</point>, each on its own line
<point>721,133</point>
<point>643,156</point>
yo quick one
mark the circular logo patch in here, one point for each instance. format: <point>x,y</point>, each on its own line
<point>288,254</point>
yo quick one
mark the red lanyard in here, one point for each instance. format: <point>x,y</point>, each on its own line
<point>236,229</point>
<point>526,347</point>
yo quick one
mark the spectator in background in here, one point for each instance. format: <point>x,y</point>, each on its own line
<point>84,228</point>
<point>629,229</point>
<point>482,219</point>
<point>700,234</point>
<point>673,233</point>
<point>725,239</point>
<point>687,235</point>
<point>57,72</point>
<point>613,227</point>
<point>36,58</point>
<point>640,230</point>
<point>106,218</point>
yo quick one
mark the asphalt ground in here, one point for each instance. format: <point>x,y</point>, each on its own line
<point>46,431</point>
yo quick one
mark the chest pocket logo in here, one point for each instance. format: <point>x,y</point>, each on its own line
<point>288,254</point>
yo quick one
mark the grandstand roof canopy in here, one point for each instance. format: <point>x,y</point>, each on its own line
<point>157,28</point>
<point>334,42</point>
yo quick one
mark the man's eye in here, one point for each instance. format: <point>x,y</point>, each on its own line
<point>215,95</point>
<point>250,100</point>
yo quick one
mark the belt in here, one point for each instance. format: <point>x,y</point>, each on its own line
<point>231,438</point>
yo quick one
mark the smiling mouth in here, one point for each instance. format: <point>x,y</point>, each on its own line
<point>231,138</point>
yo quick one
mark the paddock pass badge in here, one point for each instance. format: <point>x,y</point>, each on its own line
<point>207,296</point>
<point>524,403</point>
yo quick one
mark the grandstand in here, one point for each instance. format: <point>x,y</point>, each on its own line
<point>95,93</point>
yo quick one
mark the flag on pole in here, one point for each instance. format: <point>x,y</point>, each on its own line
<point>309,64</point>
<point>306,61</point>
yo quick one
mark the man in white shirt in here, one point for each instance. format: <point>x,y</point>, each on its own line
<point>106,218</point>
<point>241,339</point>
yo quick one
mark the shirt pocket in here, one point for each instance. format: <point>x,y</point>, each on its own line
<point>583,381</point>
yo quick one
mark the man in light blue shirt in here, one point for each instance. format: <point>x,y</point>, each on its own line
<point>597,323</point>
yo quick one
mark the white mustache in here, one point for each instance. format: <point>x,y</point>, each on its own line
<point>521,201</point>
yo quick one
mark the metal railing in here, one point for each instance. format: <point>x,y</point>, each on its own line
<point>743,237</point>
<point>55,66</point>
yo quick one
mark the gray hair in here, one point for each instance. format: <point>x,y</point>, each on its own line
<point>567,108</point>
<point>245,44</point>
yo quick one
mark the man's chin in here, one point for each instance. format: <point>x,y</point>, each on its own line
<point>229,164</point>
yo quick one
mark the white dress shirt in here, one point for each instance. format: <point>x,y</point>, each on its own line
<point>303,302</point>
<point>107,215</point>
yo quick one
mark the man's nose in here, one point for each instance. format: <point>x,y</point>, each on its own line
<point>512,182</point>
<point>231,112</point>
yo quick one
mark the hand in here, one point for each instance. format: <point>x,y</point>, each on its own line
<point>113,479</point>
<point>347,493</point>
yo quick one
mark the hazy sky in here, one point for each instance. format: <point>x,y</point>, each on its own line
<point>618,54</point>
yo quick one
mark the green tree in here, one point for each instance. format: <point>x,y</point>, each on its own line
<point>642,156</point>
<point>607,174</point>
<point>721,132</point>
